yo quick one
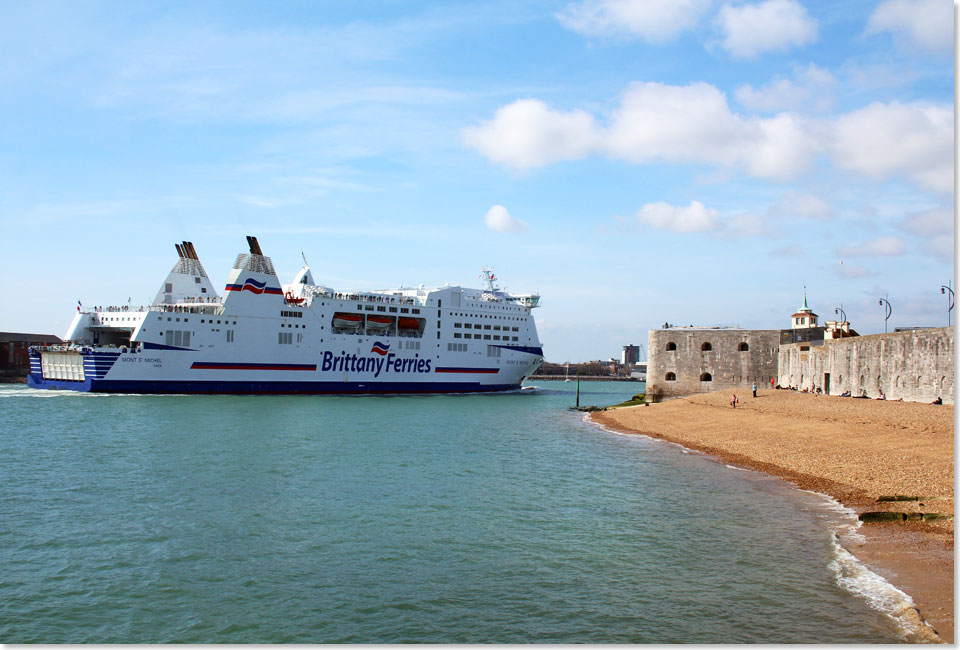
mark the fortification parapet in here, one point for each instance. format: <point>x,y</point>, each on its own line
<point>916,366</point>
<point>687,360</point>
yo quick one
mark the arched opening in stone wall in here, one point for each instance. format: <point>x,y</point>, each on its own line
<point>671,376</point>
<point>918,380</point>
<point>706,377</point>
<point>671,346</point>
<point>943,382</point>
<point>706,347</point>
<point>896,382</point>
<point>878,383</point>
<point>861,380</point>
<point>743,347</point>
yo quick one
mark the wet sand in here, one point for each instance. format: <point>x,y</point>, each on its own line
<point>854,450</point>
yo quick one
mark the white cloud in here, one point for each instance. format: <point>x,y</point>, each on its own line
<point>651,20</point>
<point>938,221</point>
<point>656,122</point>
<point>936,230</point>
<point>804,205</point>
<point>695,217</point>
<point>653,122</point>
<point>528,133</point>
<point>886,139</point>
<point>880,247</point>
<point>927,24</point>
<point>498,219</point>
<point>812,88</point>
<point>774,25</point>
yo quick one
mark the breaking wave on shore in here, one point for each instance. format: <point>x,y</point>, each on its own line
<point>850,574</point>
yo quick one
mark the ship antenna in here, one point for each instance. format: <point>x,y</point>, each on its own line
<point>305,263</point>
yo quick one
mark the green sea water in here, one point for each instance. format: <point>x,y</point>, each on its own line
<point>449,519</point>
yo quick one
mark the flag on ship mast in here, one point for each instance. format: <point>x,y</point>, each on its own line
<point>79,305</point>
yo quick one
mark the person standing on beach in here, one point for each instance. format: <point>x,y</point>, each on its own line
<point>733,402</point>
<point>754,389</point>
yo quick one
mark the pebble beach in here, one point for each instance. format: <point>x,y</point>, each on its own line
<point>864,453</point>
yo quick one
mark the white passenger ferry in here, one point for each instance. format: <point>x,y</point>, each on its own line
<point>266,337</point>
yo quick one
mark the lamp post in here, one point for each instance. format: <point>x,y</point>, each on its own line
<point>889,310</point>
<point>943,290</point>
<point>843,317</point>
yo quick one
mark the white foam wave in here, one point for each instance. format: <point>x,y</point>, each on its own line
<point>854,577</point>
<point>850,573</point>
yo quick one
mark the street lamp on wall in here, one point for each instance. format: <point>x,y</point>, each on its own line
<point>888,310</point>
<point>843,317</point>
<point>944,290</point>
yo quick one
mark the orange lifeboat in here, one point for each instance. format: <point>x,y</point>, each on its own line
<point>408,323</point>
<point>347,321</point>
<point>378,322</point>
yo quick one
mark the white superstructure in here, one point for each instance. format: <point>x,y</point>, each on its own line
<point>262,336</point>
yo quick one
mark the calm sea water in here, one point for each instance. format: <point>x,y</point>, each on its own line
<point>498,518</point>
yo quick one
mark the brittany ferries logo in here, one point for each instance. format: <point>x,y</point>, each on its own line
<point>385,362</point>
<point>253,285</point>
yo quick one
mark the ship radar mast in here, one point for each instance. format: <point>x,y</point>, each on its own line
<point>486,274</point>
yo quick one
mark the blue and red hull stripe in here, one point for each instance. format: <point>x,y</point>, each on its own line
<point>248,387</point>
<point>214,365</point>
<point>473,371</point>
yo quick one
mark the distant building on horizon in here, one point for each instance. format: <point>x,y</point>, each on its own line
<point>14,350</point>
<point>630,354</point>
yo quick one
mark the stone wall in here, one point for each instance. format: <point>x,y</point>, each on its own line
<point>916,366</point>
<point>678,364</point>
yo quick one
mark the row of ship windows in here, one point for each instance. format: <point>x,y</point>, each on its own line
<point>486,337</point>
<point>485,316</point>
<point>202,320</point>
<point>182,338</point>
<point>492,350</point>
<point>707,346</point>
<point>403,310</point>
<point>486,327</point>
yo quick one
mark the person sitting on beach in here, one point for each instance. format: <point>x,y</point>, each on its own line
<point>845,393</point>
<point>882,396</point>
<point>937,401</point>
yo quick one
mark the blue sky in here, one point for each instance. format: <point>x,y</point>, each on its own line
<point>634,161</point>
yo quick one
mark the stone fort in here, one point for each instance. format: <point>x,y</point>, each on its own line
<point>914,365</point>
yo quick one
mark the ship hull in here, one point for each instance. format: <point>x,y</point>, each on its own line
<point>174,387</point>
<point>128,372</point>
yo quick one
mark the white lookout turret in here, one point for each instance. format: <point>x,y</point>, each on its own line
<point>804,317</point>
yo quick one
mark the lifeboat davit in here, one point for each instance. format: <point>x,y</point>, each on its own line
<point>378,322</point>
<point>347,321</point>
<point>408,324</point>
<point>288,296</point>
